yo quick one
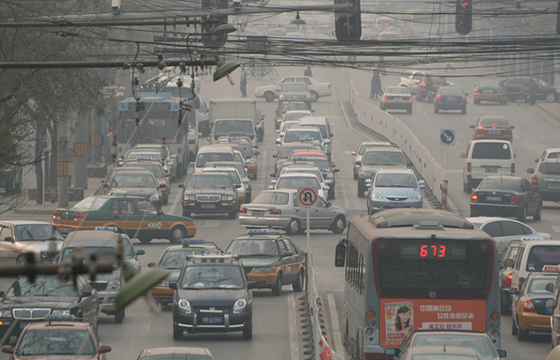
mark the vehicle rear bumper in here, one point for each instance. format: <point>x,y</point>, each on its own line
<point>495,210</point>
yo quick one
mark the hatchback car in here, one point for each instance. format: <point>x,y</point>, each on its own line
<point>529,309</point>
<point>545,179</point>
<point>492,127</point>
<point>489,90</point>
<point>20,236</point>
<point>450,98</point>
<point>212,295</point>
<point>280,209</point>
<point>378,158</point>
<point>62,338</point>
<point>509,196</point>
<point>396,97</point>
<point>270,260</point>
<point>394,188</point>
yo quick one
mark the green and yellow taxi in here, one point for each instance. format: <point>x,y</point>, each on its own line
<point>173,258</point>
<point>271,260</point>
<point>136,216</point>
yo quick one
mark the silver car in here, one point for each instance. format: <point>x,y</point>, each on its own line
<point>396,97</point>
<point>362,150</point>
<point>394,188</point>
<point>546,178</point>
<point>281,209</point>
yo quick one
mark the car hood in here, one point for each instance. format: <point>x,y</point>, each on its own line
<point>213,297</point>
<point>41,244</point>
<point>396,192</point>
<point>39,302</point>
<point>209,191</point>
<point>135,191</point>
<point>250,262</point>
<point>61,357</point>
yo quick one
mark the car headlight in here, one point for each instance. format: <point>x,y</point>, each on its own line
<point>282,97</point>
<point>239,306</point>
<point>416,197</point>
<point>227,197</point>
<point>114,284</point>
<point>154,197</point>
<point>366,174</point>
<point>187,197</point>
<point>60,312</point>
<point>163,283</point>
<point>6,313</point>
<point>263,270</point>
<point>184,306</point>
<point>376,196</point>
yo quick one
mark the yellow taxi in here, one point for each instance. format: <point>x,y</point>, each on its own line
<point>134,215</point>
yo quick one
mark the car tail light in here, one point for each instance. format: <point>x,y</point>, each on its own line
<point>464,97</point>
<point>80,216</point>
<point>275,212</point>
<point>329,86</point>
<point>424,85</point>
<point>534,180</point>
<point>529,307</point>
<point>514,199</point>
<point>512,168</point>
<point>410,98</point>
<point>243,211</point>
<point>475,89</point>
<point>384,97</point>
<point>333,165</point>
<point>439,97</point>
<point>508,280</point>
<point>56,214</point>
<point>499,90</point>
<point>474,197</point>
<point>469,167</point>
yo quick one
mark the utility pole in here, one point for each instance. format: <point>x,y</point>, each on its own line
<point>62,164</point>
<point>80,153</point>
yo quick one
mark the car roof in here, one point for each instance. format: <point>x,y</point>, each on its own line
<point>131,170</point>
<point>298,174</point>
<point>24,222</point>
<point>395,171</point>
<point>91,238</point>
<point>58,324</point>
<point>296,127</point>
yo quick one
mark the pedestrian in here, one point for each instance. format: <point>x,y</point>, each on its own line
<point>375,85</point>
<point>243,83</point>
<point>308,72</point>
<point>531,89</point>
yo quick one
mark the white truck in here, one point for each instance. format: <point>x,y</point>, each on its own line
<point>236,109</point>
<point>411,80</point>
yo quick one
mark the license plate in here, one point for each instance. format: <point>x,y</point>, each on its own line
<point>451,99</point>
<point>493,198</point>
<point>210,320</point>
<point>553,185</point>
<point>207,206</point>
<point>491,171</point>
<point>494,132</point>
<point>257,212</point>
<point>65,229</point>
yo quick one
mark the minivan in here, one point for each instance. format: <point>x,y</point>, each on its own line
<point>533,255</point>
<point>213,153</point>
<point>484,158</point>
<point>322,124</point>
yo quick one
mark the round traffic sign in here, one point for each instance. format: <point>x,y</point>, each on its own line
<point>307,196</point>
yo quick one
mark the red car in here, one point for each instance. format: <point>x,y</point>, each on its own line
<point>492,127</point>
<point>423,88</point>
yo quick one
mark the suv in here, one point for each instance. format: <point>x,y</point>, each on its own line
<point>376,158</point>
<point>212,295</point>
<point>546,178</point>
<point>484,158</point>
<point>210,193</point>
<point>510,253</point>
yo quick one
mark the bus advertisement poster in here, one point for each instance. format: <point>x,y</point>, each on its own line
<point>402,316</point>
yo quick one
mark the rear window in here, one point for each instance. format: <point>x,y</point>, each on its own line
<point>91,203</point>
<point>203,158</point>
<point>499,183</point>
<point>491,150</point>
<point>550,168</point>
<point>543,255</point>
<point>272,198</point>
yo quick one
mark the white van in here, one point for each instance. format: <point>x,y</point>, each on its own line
<point>234,127</point>
<point>322,124</point>
<point>484,158</point>
<point>214,153</point>
<point>532,256</point>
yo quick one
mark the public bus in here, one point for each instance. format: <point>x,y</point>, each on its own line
<point>158,121</point>
<point>409,269</point>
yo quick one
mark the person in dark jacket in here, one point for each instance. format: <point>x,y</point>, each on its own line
<point>308,72</point>
<point>376,89</point>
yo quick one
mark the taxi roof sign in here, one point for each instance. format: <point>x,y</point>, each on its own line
<point>192,241</point>
<point>551,268</point>
<point>531,238</point>
<point>257,231</point>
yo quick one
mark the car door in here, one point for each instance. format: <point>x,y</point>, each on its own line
<point>7,248</point>
<point>320,214</point>
<point>290,262</point>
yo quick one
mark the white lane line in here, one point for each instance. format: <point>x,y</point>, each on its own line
<point>292,327</point>
<point>212,224</point>
<point>335,326</point>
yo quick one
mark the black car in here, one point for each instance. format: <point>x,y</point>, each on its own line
<point>509,196</point>
<point>25,302</point>
<point>450,98</point>
<point>212,295</point>
<point>516,88</point>
<point>210,193</point>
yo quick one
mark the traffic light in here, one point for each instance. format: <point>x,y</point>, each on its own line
<point>348,22</point>
<point>211,22</point>
<point>558,18</point>
<point>463,17</point>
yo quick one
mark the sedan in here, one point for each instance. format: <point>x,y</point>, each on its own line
<point>394,189</point>
<point>176,352</point>
<point>450,98</point>
<point>492,127</point>
<point>295,92</point>
<point>489,90</point>
<point>27,301</point>
<point>285,106</point>
<point>530,312</point>
<point>509,196</point>
<point>516,88</point>
<point>396,97</point>
<point>20,236</point>
<point>281,209</point>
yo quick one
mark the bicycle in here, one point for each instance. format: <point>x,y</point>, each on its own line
<point>259,72</point>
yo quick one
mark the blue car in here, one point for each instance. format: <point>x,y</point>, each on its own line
<point>394,188</point>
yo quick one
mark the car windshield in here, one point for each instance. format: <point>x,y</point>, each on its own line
<point>212,276</point>
<point>233,175</point>
<point>287,124</point>
<point>154,169</point>
<point>451,90</point>
<point>133,180</point>
<point>494,121</point>
<point>102,253</point>
<point>294,88</point>
<point>294,182</point>
<point>294,136</point>
<point>391,158</point>
<point>187,357</point>
<point>209,181</point>
<point>42,286</point>
<point>204,158</point>
<point>174,259</point>
<point>52,341</point>
<point>489,83</point>
<point>543,255</point>
<point>538,286</point>
<point>295,115</point>
<point>276,198</point>
<point>255,247</point>
<point>505,183</point>
<point>550,168</point>
<point>91,203</point>
<point>395,180</point>
<point>473,341</point>
<point>36,232</point>
<point>246,149</point>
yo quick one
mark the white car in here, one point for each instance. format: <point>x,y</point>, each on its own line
<point>505,230</point>
<point>294,181</point>
<point>412,80</point>
<point>317,89</point>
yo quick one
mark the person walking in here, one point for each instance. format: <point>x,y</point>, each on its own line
<point>308,72</point>
<point>243,83</point>
<point>375,90</point>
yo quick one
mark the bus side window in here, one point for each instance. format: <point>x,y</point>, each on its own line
<point>340,253</point>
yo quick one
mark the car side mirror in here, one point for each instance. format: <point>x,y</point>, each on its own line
<point>358,162</point>
<point>237,186</point>
<point>531,170</point>
<point>8,349</point>
<point>87,292</point>
<point>278,141</point>
<point>151,264</point>
<point>140,252</point>
<point>104,349</point>
<point>353,153</point>
<point>422,184</point>
<point>173,285</point>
